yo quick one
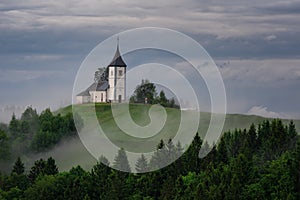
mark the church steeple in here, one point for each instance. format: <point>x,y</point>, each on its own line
<point>117,61</point>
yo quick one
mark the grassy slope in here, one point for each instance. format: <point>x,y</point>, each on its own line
<point>74,152</point>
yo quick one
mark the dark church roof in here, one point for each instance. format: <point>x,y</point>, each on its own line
<point>84,93</point>
<point>117,60</point>
<point>100,86</point>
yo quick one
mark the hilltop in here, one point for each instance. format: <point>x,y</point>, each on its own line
<point>74,152</point>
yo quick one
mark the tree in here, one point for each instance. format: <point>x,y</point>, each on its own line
<point>222,154</point>
<point>14,127</point>
<point>121,162</point>
<point>160,157</point>
<point>4,147</point>
<point>141,165</point>
<point>278,181</point>
<point>51,168</point>
<point>99,179</point>
<point>29,121</point>
<point>44,188</point>
<point>191,156</point>
<point>144,91</point>
<point>101,74</point>
<point>296,167</point>
<point>18,167</point>
<point>163,99</point>
<point>37,169</point>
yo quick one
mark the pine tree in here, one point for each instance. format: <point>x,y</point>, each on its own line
<point>99,179</point>
<point>51,168</point>
<point>141,165</point>
<point>292,130</point>
<point>222,154</point>
<point>121,162</point>
<point>163,99</point>
<point>171,151</point>
<point>18,167</point>
<point>160,157</point>
<point>14,127</point>
<point>252,137</point>
<point>4,146</point>
<point>37,169</point>
<point>29,121</point>
<point>191,156</point>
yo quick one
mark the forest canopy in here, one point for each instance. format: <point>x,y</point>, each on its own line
<point>261,162</point>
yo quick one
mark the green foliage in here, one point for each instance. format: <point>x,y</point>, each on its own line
<point>44,188</point>
<point>146,93</point>
<point>242,166</point>
<point>141,165</point>
<point>14,127</point>
<point>101,74</point>
<point>34,133</point>
<point>18,167</point>
<point>99,185</point>
<point>121,161</point>
<point>51,130</point>
<point>42,167</point>
<point>191,156</point>
<point>4,146</point>
<point>51,168</point>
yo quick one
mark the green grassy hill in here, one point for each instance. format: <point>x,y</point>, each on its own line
<point>72,153</point>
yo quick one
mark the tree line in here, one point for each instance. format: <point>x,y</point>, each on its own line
<point>146,93</point>
<point>261,162</point>
<point>34,132</point>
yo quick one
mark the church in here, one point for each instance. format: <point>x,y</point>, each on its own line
<point>111,86</point>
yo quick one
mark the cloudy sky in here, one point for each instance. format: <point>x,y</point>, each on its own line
<point>255,44</point>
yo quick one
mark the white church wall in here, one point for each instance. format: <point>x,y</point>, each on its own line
<point>82,99</point>
<point>117,75</point>
<point>79,99</point>
<point>98,96</point>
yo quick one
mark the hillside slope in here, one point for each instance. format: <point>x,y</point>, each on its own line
<point>74,152</point>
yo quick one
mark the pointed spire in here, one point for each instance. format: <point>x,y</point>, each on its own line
<point>117,60</point>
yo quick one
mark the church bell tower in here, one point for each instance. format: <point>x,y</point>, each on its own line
<point>117,78</point>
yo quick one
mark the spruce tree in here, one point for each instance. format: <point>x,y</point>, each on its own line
<point>37,169</point>
<point>51,168</point>
<point>292,130</point>
<point>14,127</point>
<point>18,167</point>
<point>163,99</point>
<point>141,165</point>
<point>4,146</point>
<point>121,162</point>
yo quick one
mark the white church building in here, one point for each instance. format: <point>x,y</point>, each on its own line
<point>112,89</point>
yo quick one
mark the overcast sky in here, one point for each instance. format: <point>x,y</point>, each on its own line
<point>256,45</point>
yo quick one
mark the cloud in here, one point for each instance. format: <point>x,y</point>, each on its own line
<point>271,37</point>
<point>16,76</point>
<point>226,29</point>
<point>264,112</point>
<point>281,7</point>
<point>225,20</point>
<point>49,39</point>
<point>256,72</point>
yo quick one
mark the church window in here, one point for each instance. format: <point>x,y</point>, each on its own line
<point>111,72</point>
<point>120,73</point>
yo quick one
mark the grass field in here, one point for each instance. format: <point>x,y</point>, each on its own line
<point>72,153</point>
